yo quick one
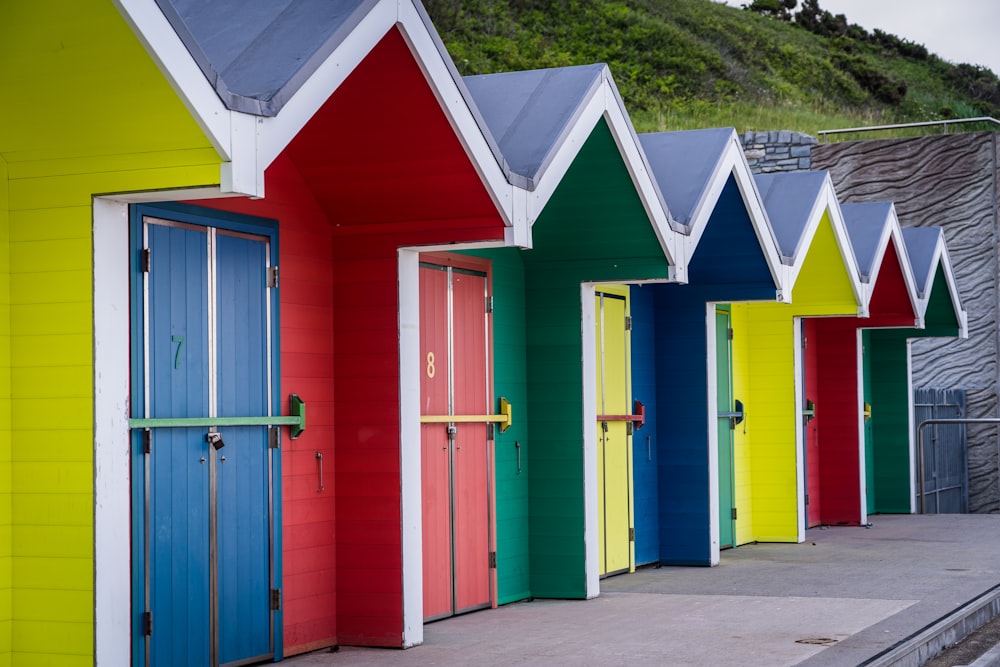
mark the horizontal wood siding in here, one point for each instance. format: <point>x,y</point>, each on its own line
<point>6,583</point>
<point>86,111</point>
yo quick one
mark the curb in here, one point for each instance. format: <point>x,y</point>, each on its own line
<point>948,630</point>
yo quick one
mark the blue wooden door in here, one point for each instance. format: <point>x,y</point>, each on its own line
<point>207,507</point>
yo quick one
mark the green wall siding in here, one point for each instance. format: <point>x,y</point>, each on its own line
<point>510,381</point>
<point>887,448</point>
<point>593,229</point>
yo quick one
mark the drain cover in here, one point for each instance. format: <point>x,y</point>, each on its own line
<point>819,641</point>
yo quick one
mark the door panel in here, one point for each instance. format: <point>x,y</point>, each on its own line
<point>614,472</point>
<point>724,403</point>
<point>243,465</point>
<point>178,490</point>
<point>471,456</point>
<point>435,459</point>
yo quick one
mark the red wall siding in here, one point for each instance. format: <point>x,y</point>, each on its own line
<point>307,368</point>
<point>366,359</point>
<point>838,406</point>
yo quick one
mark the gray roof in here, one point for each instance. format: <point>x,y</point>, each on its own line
<point>530,113</point>
<point>789,199</point>
<point>257,53</point>
<point>921,242</point>
<point>865,223</point>
<point>683,164</point>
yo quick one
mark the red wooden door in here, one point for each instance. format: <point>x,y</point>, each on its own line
<point>456,456</point>
<point>471,456</point>
<point>435,457</point>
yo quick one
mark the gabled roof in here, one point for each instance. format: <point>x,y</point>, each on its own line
<point>872,227</point>
<point>256,63</point>
<point>929,256</point>
<point>253,73</point>
<point>868,225</point>
<point>531,113</point>
<point>542,118</point>
<point>692,168</point>
<point>796,203</point>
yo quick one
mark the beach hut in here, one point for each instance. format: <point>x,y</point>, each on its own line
<point>681,363</point>
<point>598,218</point>
<point>773,361</point>
<point>889,434</point>
<point>835,477</point>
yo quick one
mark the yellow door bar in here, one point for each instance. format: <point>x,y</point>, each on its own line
<point>503,419</point>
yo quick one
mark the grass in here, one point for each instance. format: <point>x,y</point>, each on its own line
<point>683,64</point>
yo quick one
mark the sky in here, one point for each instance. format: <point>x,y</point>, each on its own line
<point>960,31</point>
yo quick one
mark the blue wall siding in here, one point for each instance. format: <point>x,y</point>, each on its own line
<point>728,252</point>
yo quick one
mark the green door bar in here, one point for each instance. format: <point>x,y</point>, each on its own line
<point>296,421</point>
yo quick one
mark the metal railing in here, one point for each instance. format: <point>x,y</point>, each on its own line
<point>920,444</point>
<point>902,126</point>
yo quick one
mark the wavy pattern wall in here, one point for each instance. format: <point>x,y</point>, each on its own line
<point>951,181</point>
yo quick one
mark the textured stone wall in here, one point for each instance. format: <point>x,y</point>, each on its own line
<point>951,181</point>
<point>778,150</point>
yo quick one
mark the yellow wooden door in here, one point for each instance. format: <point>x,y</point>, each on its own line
<point>614,440</point>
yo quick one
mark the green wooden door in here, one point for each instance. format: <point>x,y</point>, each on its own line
<point>724,393</point>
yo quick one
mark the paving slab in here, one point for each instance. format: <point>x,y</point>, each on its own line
<point>841,597</point>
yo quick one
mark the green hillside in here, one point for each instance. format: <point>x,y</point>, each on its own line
<point>696,63</point>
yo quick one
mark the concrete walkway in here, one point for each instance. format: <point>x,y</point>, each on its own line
<point>842,597</point>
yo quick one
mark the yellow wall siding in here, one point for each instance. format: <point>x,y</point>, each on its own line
<point>764,374</point>
<point>5,383</point>
<point>86,112</point>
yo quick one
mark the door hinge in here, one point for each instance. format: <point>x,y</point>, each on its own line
<point>807,499</point>
<point>147,441</point>
<point>274,437</point>
<point>144,260</point>
<point>734,514</point>
<point>490,431</point>
<point>272,276</point>
<point>729,333</point>
<point>493,560</point>
<point>628,323</point>
<point>489,304</point>
<point>629,428</point>
<point>631,534</point>
<point>275,599</point>
<point>147,623</point>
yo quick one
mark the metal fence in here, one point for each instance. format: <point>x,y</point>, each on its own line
<point>942,451</point>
